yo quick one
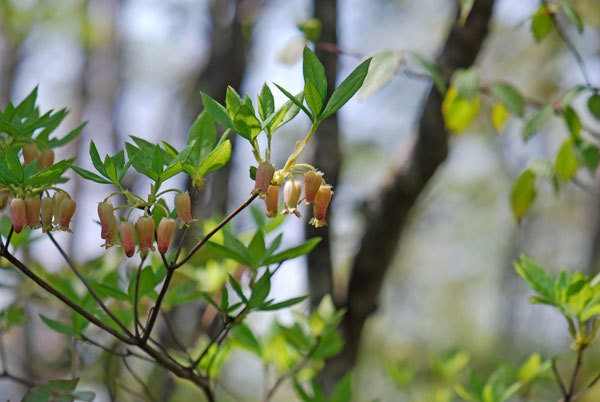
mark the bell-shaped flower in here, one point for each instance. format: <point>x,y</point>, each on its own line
<point>32,211</point>
<point>145,228</point>
<point>183,206</point>
<point>164,234</point>
<point>127,231</point>
<point>271,200</point>
<point>105,213</point>
<point>291,195</point>
<point>30,153</point>
<point>320,205</point>
<point>46,214</point>
<point>57,199</point>
<point>46,159</point>
<point>18,214</point>
<point>65,213</point>
<point>312,182</point>
<point>264,176</point>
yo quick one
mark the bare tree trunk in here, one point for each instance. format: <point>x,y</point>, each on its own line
<point>389,210</point>
<point>327,157</point>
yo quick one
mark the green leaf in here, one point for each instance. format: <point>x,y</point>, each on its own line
<point>53,143</point>
<point>315,81</point>
<point>260,291</point>
<point>536,277</point>
<point>330,345</point>
<point>284,304</point>
<point>246,123</point>
<point>49,175</point>
<point>95,156</point>
<point>58,326</point>
<point>284,114</point>
<point>346,89</point>
<point>256,248</point>
<point>588,154</point>
<point>384,66</point>
<point>541,23</point>
<point>13,164</point>
<point>457,111</point>
<point>566,164</point>
<point>266,102</point>
<point>572,15</point>
<point>203,131</point>
<point>56,390</point>
<point>296,101</point>
<point>537,121</point>
<point>146,284</point>
<point>242,334</point>
<point>27,105</point>
<point>573,122</point>
<point>293,252</point>
<point>217,111</point>
<point>237,288</point>
<point>523,194</point>
<point>509,96</point>
<point>594,105</point>
<point>227,252</point>
<point>498,115</point>
<point>466,82</point>
<point>343,390</point>
<point>111,170</point>
<point>436,75</point>
<point>233,101</point>
<point>86,174</point>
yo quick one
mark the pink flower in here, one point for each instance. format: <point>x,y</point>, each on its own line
<point>312,182</point>
<point>46,159</point>
<point>166,228</point>
<point>271,200</point>
<point>32,211</point>
<point>105,213</point>
<point>291,194</point>
<point>30,153</point>
<point>264,175</point>
<point>183,207</point>
<point>65,213</point>
<point>322,200</point>
<point>18,213</point>
<point>145,228</point>
<point>46,214</point>
<point>128,238</point>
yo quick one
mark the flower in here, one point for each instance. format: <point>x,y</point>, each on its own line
<point>166,228</point>
<point>127,231</point>
<point>57,199</point>
<point>46,214</point>
<point>18,214</point>
<point>145,228</point>
<point>312,182</point>
<point>30,153</point>
<point>46,159</point>
<point>65,213</point>
<point>183,207</point>
<point>264,176</point>
<point>271,200</point>
<point>32,211</point>
<point>291,194</point>
<point>105,213</point>
<point>320,205</point>
<point>112,237</point>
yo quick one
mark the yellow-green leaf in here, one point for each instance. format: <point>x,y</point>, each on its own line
<point>499,115</point>
<point>458,112</point>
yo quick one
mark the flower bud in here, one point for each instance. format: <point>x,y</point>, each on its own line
<point>18,213</point>
<point>112,236</point>
<point>30,153</point>
<point>322,200</point>
<point>46,159</point>
<point>105,212</point>
<point>166,228</point>
<point>127,238</point>
<point>183,207</point>
<point>291,194</point>
<point>264,175</point>
<point>57,199</point>
<point>312,182</point>
<point>32,211</point>
<point>65,213</point>
<point>271,200</point>
<point>145,228</point>
<point>46,214</point>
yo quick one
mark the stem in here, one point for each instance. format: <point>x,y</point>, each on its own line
<point>224,330</point>
<point>71,304</point>
<point>559,380</point>
<point>89,288</point>
<point>135,299</point>
<point>156,308</point>
<point>10,233</point>
<point>586,388</point>
<point>571,393</point>
<point>574,51</point>
<point>139,380</point>
<point>229,217</point>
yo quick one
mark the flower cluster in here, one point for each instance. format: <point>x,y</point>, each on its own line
<point>44,159</point>
<point>144,231</point>
<point>50,213</point>
<point>316,192</point>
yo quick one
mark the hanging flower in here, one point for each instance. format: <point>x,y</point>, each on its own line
<point>65,213</point>
<point>183,206</point>
<point>30,153</point>
<point>105,213</point>
<point>271,200</point>
<point>32,211</point>
<point>46,214</point>
<point>320,205</point>
<point>166,228</point>
<point>46,159</point>
<point>18,214</point>
<point>312,182</point>
<point>57,199</point>
<point>264,176</point>
<point>291,194</point>
<point>145,228</point>
<point>127,231</point>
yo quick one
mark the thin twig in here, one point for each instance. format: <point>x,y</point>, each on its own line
<point>89,288</point>
<point>127,353</point>
<point>156,308</point>
<point>139,380</point>
<point>20,380</point>
<point>135,299</point>
<point>171,332</point>
<point>215,230</point>
<point>574,52</point>
<point>293,371</point>
<point>130,391</point>
<point>586,388</point>
<point>224,330</point>
<point>574,377</point>
<point>559,380</point>
<point>10,233</point>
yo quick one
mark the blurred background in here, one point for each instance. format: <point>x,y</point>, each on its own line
<point>136,67</point>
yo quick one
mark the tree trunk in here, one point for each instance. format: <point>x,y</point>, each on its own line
<point>327,157</point>
<point>388,212</point>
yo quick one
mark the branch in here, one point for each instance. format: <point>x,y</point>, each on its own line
<point>292,372</point>
<point>217,339</point>
<point>71,304</point>
<point>139,380</point>
<point>569,396</point>
<point>178,343</point>
<point>156,308</point>
<point>559,380</point>
<point>89,288</point>
<point>136,318</point>
<point>574,51</point>
<point>586,388</point>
